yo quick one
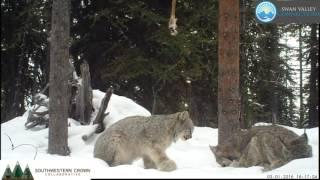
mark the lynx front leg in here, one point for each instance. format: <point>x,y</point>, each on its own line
<point>162,161</point>
<point>148,163</point>
<point>276,152</point>
<point>167,165</point>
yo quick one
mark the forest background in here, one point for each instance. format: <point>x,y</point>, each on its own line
<point>127,45</point>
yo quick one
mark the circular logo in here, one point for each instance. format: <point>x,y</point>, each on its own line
<point>266,11</point>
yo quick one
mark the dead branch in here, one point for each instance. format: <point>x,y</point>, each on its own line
<point>173,20</point>
<point>101,115</point>
<point>14,147</point>
<point>84,103</point>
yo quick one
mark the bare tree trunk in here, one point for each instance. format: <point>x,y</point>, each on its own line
<point>60,74</point>
<point>228,77</point>
<point>314,89</point>
<point>155,94</point>
<point>300,124</point>
<point>85,95</point>
<point>17,107</point>
<point>274,99</point>
<point>244,121</point>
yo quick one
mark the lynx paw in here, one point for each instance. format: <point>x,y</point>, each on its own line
<point>167,165</point>
<point>235,164</point>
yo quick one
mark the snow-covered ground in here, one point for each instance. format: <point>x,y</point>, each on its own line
<point>193,157</point>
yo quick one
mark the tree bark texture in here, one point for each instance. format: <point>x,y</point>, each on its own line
<point>85,95</point>
<point>314,85</point>
<point>300,123</point>
<point>60,74</point>
<point>228,73</point>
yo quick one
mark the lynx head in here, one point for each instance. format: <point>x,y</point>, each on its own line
<point>184,126</point>
<point>300,148</point>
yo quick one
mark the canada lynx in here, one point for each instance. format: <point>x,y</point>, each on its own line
<point>143,137</point>
<point>267,146</point>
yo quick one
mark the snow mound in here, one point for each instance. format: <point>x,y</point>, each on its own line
<point>119,107</point>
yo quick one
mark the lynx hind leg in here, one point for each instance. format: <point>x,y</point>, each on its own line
<point>162,161</point>
<point>105,152</point>
<point>275,151</point>
<point>111,149</point>
<point>251,155</point>
<point>274,164</point>
<point>122,156</point>
<point>148,163</point>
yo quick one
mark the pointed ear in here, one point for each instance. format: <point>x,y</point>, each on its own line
<point>213,149</point>
<point>183,115</point>
<point>303,139</point>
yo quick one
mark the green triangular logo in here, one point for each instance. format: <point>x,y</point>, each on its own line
<point>27,174</point>
<point>7,173</point>
<point>17,171</point>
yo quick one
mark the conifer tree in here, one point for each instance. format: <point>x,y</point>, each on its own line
<point>7,173</point>
<point>27,175</point>
<point>17,171</point>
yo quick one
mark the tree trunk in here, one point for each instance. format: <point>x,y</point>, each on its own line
<point>274,73</point>
<point>60,74</point>
<point>17,106</point>
<point>85,95</point>
<point>301,80</point>
<point>314,90</point>
<point>228,75</point>
<point>244,120</point>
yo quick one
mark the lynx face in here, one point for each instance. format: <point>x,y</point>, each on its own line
<point>184,128</point>
<point>186,134</point>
